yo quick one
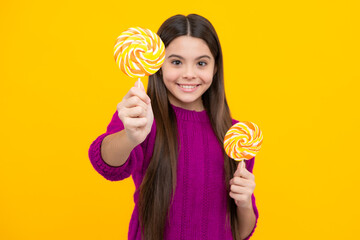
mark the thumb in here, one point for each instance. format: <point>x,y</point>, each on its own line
<point>139,84</point>
<point>239,169</point>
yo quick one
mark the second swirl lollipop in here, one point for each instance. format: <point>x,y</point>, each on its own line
<point>243,141</point>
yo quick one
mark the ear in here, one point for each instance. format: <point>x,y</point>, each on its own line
<point>215,70</point>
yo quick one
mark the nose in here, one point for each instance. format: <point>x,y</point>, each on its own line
<point>189,73</point>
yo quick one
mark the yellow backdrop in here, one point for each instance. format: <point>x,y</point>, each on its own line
<point>292,67</point>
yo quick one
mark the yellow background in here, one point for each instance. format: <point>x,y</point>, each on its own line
<point>292,67</point>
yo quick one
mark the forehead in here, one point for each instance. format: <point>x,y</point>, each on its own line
<point>188,47</point>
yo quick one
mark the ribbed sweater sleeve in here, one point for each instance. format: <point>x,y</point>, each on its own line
<point>114,173</point>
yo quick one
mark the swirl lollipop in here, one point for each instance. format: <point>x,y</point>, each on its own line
<point>139,52</point>
<point>243,141</point>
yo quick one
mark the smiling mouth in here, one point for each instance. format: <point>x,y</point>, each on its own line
<point>188,86</point>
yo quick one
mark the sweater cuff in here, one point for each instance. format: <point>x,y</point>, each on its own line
<point>112,173</point>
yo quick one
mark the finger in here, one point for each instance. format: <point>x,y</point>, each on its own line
<point>241,164</point>
<point>134,101</point>
<point>136,112</point>
<point>238,170</point>
<point>240,197</point>
<point>239,181</point>
<point>140,93</point>
<point>244,173</point>
<point>234,195</point>
<point>238,189</point>
<point>140,84</point>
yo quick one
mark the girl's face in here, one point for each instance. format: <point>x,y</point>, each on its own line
<point>187,71</point>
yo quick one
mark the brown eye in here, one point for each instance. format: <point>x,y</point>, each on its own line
<point>202,64</point>
<point>176,62</point>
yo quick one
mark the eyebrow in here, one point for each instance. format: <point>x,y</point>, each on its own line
<point>174,55</point>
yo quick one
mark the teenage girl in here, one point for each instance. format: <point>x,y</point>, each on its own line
<point>170,139</point>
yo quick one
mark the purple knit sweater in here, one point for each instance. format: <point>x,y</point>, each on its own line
<point>199,207</point>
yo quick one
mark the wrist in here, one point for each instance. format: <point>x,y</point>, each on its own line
<point>129,142</point>
<point>246,205</point>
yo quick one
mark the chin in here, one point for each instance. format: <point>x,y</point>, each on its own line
<point>187,101</point>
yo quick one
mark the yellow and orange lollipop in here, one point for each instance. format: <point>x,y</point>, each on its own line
<point>243,141</point>
<point>139,52</point>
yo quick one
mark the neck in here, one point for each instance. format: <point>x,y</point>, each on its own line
<point>199,106</point>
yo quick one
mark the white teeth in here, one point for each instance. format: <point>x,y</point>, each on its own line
<point>188,87</point>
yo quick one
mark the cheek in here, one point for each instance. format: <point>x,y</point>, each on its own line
<point>170,76</point>
<point>206,76</point>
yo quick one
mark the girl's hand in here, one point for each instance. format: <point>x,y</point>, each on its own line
<point>242,186</point>
<point>136,114</point>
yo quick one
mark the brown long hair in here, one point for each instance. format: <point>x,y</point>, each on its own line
<point>158,186</point>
